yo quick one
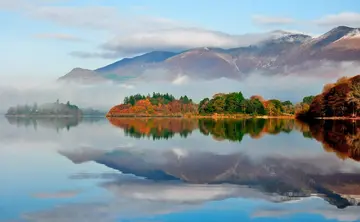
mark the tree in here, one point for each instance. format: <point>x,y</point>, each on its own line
<point>35,108</point>
<point>219,104</point>
<point>308,99</point>
<point>202,109</point>
<point>286,103</point>
<point>271,109</point>
<point>233,101</point>
<point>354,98</point>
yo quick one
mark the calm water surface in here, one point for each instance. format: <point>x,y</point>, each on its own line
<point>178,170</point>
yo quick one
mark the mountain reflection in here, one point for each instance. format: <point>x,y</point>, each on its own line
<point>291,176</point>
<point>341,137</point>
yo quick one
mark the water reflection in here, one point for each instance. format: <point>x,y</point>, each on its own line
<point>253,167</point>
<point>49,122</point>
<point>291,177</point>
<point>341,137</point>
<point>234,130</point>
<point>155,128</point>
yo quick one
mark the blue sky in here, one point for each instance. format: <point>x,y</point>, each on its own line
<point>46,39</point>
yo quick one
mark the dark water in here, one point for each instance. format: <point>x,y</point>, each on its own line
<point>178,170</point>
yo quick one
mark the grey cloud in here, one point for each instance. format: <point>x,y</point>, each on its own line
<point>97,17</point>
<point>59,36</point>
<point>24,4</point>
<point>138,198</point>
<point>91,55</point>
<point>271,20</point>
<point>101,18</point>
<point>56,195</point>
<point>344,18</point>
<point>330,212</point>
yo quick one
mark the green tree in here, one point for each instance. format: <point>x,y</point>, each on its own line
<point>308,99</point>
<point>233,101</point>
<point>218,104</point>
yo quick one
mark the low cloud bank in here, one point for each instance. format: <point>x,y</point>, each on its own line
<point>103,96</point>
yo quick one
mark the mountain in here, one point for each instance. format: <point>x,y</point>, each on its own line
<point>281,53</point>
<point>122,70</point>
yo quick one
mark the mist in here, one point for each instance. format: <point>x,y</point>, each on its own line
<point>103,96</point>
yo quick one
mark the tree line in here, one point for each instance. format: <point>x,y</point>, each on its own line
<point>236,103</point>
<point>222,103</point>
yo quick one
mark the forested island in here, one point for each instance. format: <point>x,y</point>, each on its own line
<point>338,100</point>
<point>161,105</point>
<point>55,109</point>
<point>47,109</point>
<point>220,105</point>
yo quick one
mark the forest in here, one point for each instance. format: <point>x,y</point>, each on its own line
<point>159,104</point>
<point>235,103</point>
<point>156,104</point>
<point>340,99</point>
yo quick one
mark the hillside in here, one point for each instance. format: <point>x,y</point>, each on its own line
<point>340,99</point>
<point>155,105</point>
<point>281,53</point>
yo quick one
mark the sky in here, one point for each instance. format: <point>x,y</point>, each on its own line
<point>45,39</point>
<point>42,40</point>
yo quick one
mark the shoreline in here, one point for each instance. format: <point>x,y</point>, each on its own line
<point>54,116</point>
<point>338,118</point>
<point>192,116</point>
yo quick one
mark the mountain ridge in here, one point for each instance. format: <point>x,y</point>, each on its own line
<point>283,52</point>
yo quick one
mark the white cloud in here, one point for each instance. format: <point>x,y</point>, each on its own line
<point>99,17</point>
<point>344,18</point>
<point>58,36</point>
<point>180,80</point>
<point>271,20</point>
<point>177,39</point>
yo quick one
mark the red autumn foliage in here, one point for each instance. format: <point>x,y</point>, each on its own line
<point>145,107</point>
<point>335,100</point>
<point>148,126</point>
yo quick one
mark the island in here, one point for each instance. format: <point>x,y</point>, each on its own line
<point>55,109</point>
<point>339,100</point>
<point>221,105</point>
<point>157,105</point>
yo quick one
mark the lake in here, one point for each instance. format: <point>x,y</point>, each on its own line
<point>146,170</point>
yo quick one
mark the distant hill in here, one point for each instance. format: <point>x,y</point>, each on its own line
<point>281,53</point>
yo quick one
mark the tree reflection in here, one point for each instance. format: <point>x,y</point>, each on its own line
<point>338,136</point>
<point>225,129</point>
